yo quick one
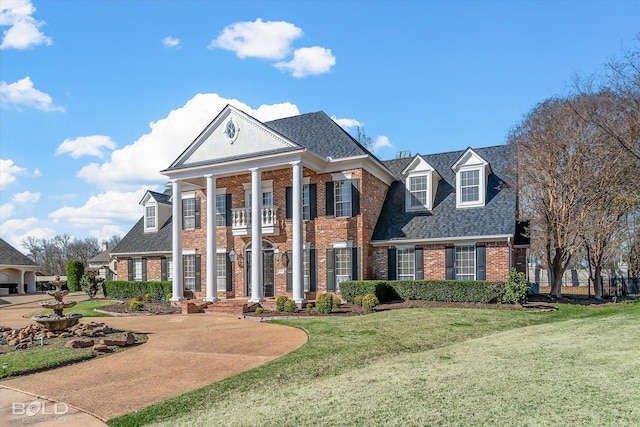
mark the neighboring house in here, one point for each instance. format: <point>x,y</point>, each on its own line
<point>17,271</point>
<point>103,264</point>
<point>328,211</point>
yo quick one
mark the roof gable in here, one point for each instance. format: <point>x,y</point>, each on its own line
<point>417,165</point>
<point>158,197</point>
<point>470,159</point>
<point>11,256</point>
<point>214,143</point>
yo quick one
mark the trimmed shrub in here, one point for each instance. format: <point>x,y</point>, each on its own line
<point>90,284</point>
<point>75,271</point>
<point>358,300</point>
<point>309,307</point>
<point>131,289</point>
<point>259,310</point>
<point>168,298</point>
<point>336,303</point>
<point>136,305</point>
<point>380,288</point>
<point>369,302</point>
<point>449,290</point>
<point>324,303</point>
<point>280,302</point>
<point>516,288</point>
<point>290,306</point>
<point>147,297</point>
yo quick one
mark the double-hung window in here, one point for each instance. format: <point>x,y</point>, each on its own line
<point>343,266</point>
<point>306,268</point>
<point>470,186</point>
<point>150,217</point>
<point>137,269</point>
<point>342,197</point>
<point>465,263</point>
<point>306,202</point>
<point>169,268</point>
<point>189,272</point>
<point>406,263</point>
<point>221,271</point>
<point>419,190</point>
<point>221,210</point>
<point>189,212</point>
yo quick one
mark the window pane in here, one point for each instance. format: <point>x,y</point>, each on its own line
<point>418,189</point>
<point>221,210</point>
<point>169,268</point>
<point>189,209</point>
<point>190,272</point>
<point>137,269</point>
<point>267,198</point>
<point>470,186</point>
<point>343,266</point>
<point>306,205</point>
<point>306,267</point>
<point>342,198</point>
<point>465,262</point>
<point>406,264</point>
<point>221,271</point>
<point>150,217</point>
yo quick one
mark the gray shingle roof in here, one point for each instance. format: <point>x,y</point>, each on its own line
<point>11,256</point>
<point>137,241</point>
<point>318,133</point>
<point>161,197</point>
<point>497,217</point>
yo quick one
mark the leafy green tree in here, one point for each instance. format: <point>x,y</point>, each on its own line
<point>75,271</point>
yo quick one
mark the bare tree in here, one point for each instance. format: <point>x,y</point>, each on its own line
<point>363,138</point>
<point>53,254</point>
<point>550,146</point>
<point>114,240</point>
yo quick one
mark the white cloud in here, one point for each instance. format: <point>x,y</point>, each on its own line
<point>308,61</point>
<point>23,94</point>
<point>139,163</point>
<point>36,172</point>
<point>26,197</point>
<point>6,211</point>
<point>86,146</point>
<point>267,40</point>
<point>381,142</point>
<point>171,42</point>
<point>8,172</point>
<point>23,32</point>
<point>346,124</point>
<point>14,231</point>
<point>101,210</point>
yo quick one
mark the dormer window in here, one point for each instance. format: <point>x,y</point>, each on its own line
<point>472,173</point>
<point>421,185</point>
<point>150,218</point>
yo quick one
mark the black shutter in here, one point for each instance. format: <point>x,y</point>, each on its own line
<point>355,264</point>
<point>198,275</point>
<point>144,269</point>
<point>130,269</point>
<point>313,274</point>
<point>450,262</point>
<point>355,197</point>
<point>288,196</point>
<point>197,212</point>
<point>289,270</point>
<point>229,272</point>
<point>227,210</point>
<point>331,273</point>
<point>481,263</point>
<point>329,199</point>
<point>419,253</point>
<point>163,269</point>
<point>313,202</point>
<point>391,264</point>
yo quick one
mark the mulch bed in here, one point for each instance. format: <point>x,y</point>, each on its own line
<point>150,308</point>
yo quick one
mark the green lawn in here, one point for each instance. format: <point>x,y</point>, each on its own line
<point>83,307</point>
<point>575,366</point>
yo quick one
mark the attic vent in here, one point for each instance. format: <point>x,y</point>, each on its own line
<point>403,154</point>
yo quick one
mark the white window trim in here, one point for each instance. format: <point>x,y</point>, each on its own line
<point>455,264</point>
<point>429,203</point>
<point>155,225</point>
<point>398,249</point>
<point>482,191</point>
<point>343,244</point>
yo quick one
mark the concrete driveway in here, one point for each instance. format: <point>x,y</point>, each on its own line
<point>183,352</point>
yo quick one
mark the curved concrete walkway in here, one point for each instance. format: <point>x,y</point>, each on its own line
<point>183,352</point>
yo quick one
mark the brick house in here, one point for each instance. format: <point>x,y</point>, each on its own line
<point>328,211</point>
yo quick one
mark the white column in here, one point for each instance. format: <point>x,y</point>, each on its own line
<point>297,277</point>
<point>212,288</point>
<point>176,248</point>
<point>257,289</point>
<point>21,283</point>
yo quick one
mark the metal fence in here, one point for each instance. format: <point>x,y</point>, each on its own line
<point>611,287</point>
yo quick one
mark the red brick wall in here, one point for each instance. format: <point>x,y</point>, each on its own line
<point>497,261</point>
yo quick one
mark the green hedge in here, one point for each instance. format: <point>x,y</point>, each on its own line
<point>429,290</point>
<point>130,289</point>
<point>75,271</point>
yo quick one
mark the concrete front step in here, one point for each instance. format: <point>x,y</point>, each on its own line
<point>237,307</point>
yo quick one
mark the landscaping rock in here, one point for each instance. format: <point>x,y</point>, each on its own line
<point>129,338</point>
<point>100,347</point>
<point>79,343</point>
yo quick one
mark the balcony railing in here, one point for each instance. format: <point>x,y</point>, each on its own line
<point>241,220</point>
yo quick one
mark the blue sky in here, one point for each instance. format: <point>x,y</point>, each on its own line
<point>96,97</point>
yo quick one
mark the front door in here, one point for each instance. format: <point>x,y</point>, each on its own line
<point>268,276</point>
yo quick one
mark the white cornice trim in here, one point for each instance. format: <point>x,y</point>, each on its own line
<point>496,237</point>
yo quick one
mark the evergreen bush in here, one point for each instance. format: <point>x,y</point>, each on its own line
<point>369,302</point>
<point>75,271</point>
<point>136,305</point>
<point>290,306</point>
<point>516,288</point>
<point>280,302</point>
<point>132,289</point>
<point>324,303</point>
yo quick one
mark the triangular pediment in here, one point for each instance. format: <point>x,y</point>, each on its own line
<point>470,159</point>
<point>417,165</point>
<point>232,134</point>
